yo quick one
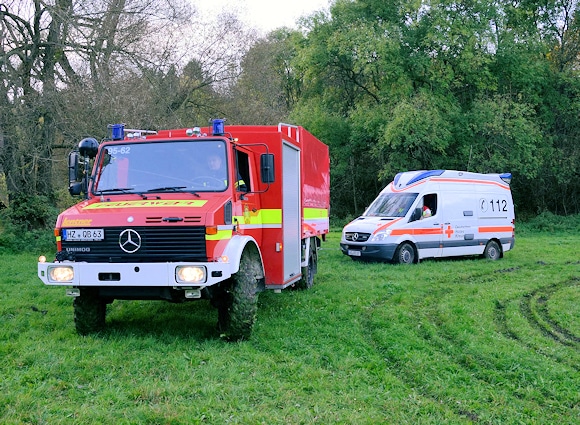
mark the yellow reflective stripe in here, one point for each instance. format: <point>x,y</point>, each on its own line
<point>309,213</point>
<point>220,235</point>
<point>146,203</point>
<point>271,216</point>
<point>58,238</point>
<point>264,217</point>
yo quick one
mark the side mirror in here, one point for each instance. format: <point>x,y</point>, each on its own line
<point>75,189</point>
<point>416,214</point>
<point>73,167</point>
<point>267,168</point>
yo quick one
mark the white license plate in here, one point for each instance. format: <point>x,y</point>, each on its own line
<point>354,253</point>
<point>83,234</point>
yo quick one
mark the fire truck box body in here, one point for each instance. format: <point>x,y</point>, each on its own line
<point>159,223</point>
<point>468,214</point>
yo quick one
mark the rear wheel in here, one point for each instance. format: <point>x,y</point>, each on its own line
<point>89,311</point>
<point>405,254</point>
<point>238,302</point>
<point>308,272</point>
<point>492,251</point>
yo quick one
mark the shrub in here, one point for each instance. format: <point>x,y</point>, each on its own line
<point>31,212</point>
<point>27,225</point>
<point>549,222</point>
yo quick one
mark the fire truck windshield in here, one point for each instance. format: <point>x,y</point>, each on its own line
<point>175,166</point>
<point>391,205</point>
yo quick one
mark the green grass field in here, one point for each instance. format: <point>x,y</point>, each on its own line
<point>454,341</point>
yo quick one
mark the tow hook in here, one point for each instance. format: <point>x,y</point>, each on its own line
<point>73,292</point>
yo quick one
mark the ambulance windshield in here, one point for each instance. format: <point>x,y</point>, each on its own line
<point>391,205</point>
<point>182,166</point>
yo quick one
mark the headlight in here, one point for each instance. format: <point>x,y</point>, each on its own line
<point>190,274</point>
<point>381,236</point>
<point>61,274</point>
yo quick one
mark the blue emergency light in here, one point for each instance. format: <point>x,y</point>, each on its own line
<point>506,177</point>
<point>117,131</point>
<point>218,127</point>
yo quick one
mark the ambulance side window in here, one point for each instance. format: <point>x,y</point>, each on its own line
<point>429,208</point>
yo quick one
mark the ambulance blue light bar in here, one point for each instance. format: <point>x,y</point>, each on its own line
<point>424,175</point>
<point>506,177</point>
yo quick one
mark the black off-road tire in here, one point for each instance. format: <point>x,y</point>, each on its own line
<point>308,272</point>
<point>89,311</point>
<point>492,251</point>
<point>238,305</point>
<point>405,254</point>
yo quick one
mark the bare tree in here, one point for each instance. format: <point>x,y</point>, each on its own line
<point>63,61</point>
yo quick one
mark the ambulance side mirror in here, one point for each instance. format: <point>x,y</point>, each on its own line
<point>267,168</point>
<point>416,214</point>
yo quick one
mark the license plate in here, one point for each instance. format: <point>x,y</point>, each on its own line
<point>83,234</point>
<point>354,253</point>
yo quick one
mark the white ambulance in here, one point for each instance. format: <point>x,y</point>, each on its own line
<point>435,213</point>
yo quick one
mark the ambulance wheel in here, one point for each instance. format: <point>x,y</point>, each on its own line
<point>492,251</point>
<point>405,254</point>
<point>239,299</point>
<point>89,311</point>
<point>308,272</point>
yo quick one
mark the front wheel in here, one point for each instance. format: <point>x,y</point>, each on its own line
<point>238,304</point>
<point>405,254</point>
<point>89,311</point>
<point>492,251</point>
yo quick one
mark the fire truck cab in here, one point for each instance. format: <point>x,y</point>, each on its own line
<point>219,213</point>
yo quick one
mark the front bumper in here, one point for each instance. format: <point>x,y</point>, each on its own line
<point>133,274</point>
<point>383,252</point>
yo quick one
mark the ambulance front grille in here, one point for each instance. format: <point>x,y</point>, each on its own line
<point>157,244</point>
<point>357,237</point>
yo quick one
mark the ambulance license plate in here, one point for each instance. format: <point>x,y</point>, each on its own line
<point>354,253</point>
<point>83,235</point>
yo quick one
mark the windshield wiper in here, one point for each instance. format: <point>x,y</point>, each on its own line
<point>115,190</point>
<point>168,189</point>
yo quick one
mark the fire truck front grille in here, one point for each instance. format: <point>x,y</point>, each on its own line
<point>357,237</point>
<point>142,244</point>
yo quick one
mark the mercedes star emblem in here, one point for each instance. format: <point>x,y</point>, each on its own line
<point>129,241</point>
<point>354,237</point>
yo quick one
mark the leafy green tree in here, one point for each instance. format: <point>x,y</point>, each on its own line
<point>479,85</point>
<point>268,85</point>
<point>418,134</point>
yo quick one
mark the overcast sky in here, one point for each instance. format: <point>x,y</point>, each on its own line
<point>262,14</point>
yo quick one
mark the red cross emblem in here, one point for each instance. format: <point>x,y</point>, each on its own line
<point>449,231</point>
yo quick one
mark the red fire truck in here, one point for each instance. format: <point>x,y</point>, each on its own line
<point>218,213</point>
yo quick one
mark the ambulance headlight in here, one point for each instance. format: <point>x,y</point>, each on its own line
<point>380,236</point>
<point>61,274</point>
<point>190,274</point>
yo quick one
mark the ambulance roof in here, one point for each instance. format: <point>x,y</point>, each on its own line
<point>408,178</point>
